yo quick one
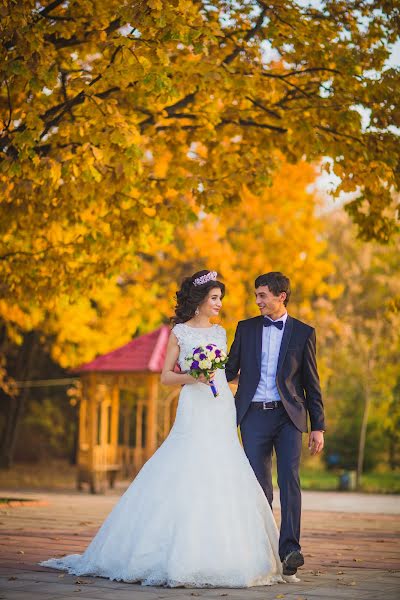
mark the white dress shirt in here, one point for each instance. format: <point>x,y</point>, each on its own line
<point>271,345</point>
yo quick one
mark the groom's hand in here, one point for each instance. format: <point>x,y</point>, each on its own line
<point>316,442</point>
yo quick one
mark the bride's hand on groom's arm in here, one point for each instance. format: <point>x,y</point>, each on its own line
<point>316,442</point>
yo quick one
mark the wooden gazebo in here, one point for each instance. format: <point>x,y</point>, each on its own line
<point>125,413</point>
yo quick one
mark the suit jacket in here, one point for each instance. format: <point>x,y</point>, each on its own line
<point>296,377</point>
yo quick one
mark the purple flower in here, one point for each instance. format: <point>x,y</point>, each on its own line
<point>195,364</point>
<point>218,353</point>
<point>210,346</point>
<point>197,350</point>
<point>203,356</point>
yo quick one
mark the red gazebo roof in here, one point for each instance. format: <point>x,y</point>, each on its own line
<point>144,353</point>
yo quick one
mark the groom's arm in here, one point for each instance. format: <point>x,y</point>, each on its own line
<point>312,386</point>
<point>233,365</point>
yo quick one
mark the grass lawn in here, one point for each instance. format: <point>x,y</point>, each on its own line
<point>381,483</point>
<point>60,475</point>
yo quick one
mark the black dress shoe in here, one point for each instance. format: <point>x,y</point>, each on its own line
<point>292,562</point>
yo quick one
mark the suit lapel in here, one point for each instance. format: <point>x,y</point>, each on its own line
<point>287,333</point>
<point>259,333</point>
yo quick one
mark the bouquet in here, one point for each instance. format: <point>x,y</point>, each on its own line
<point>205,360</point>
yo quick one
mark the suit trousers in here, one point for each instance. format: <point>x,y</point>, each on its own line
<point>265,430</point>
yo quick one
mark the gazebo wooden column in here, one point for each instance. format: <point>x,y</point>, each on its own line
<point>152,415</point>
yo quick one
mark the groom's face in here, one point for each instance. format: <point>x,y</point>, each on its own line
<point>267,302</point>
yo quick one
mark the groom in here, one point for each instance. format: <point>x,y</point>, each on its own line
<point>278,386</point>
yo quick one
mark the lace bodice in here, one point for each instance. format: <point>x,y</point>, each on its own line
<point>192,337</point>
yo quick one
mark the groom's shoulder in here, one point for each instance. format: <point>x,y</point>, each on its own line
<point>301,327</point>
<point>249,322</point>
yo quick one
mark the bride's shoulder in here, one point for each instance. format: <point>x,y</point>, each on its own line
<point>178,331</point>
<point>220,330</point>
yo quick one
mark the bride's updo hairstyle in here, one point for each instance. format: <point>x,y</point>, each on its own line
<point>194,290</point>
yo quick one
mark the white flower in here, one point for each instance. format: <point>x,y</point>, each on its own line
<point>211,354</point>
<point>205,364</point>
<point>217,360</point>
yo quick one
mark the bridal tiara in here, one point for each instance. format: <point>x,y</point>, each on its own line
<point>211,276</point>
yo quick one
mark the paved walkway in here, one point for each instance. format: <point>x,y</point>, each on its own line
<point>351,544</point>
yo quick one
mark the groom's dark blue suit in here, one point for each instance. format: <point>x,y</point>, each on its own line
<point>299,390</point>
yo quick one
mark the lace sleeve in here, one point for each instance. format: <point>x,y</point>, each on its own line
<point>178,332</point>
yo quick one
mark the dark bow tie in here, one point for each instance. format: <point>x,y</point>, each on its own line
<point>268,323</point>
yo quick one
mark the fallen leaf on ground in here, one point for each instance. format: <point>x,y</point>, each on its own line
<point>12,578</point>
<point>20,552</point>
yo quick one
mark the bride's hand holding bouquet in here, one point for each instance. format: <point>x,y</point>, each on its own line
<point>204,362</point>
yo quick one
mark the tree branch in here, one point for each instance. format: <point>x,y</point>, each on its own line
<point>50,7</point>
<point>7,124</point>
<point>251,123</point>
<point>231,57</point>
<point>339,134</point>
<point>270,112</point>
<point>51,247</point>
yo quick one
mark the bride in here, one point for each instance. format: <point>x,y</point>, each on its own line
<point>195,515</point>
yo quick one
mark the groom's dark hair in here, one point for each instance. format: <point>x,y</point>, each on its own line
<point>277,282</point>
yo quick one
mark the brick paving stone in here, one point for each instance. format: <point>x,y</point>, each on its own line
<point>349,554</point>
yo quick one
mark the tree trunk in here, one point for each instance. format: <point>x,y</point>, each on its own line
<point>16,405</point>
<point>364,425</point>
<point>393,462</point>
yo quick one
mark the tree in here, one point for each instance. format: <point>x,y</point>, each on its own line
<point>364,350</point>
<point>123,120</point>
<point>276,230</point>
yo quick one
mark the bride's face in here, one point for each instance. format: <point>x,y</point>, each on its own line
<point>212,304</point>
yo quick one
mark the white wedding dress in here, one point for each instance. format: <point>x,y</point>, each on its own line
<point>195,515</point>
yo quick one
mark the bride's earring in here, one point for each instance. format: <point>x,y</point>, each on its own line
<point>197,312</point>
